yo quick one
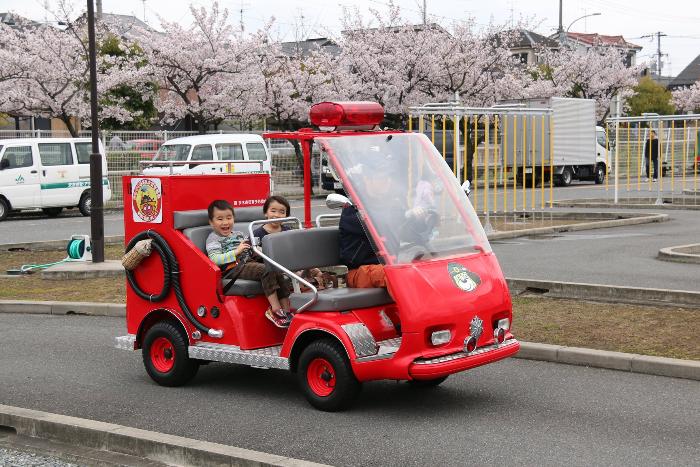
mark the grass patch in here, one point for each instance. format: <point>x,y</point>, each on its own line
<point>662,331</point>
<point>648,330</point>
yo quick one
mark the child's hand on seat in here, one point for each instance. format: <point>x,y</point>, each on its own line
<point>317,274</point>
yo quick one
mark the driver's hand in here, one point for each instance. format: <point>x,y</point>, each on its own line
<point>241,248</point>
<point>416,212</point>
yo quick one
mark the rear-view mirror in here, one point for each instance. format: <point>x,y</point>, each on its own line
<point>336,201</point>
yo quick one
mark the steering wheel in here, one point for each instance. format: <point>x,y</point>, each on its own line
<point>412,252</point>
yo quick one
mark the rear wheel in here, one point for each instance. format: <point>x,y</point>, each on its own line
<point>165,355</point>
<point>565,177</point>
<point>427,383</point>
<point>85,204</point>
<point>52,212</point>
<point>4,209</point>
<point>326,376</point>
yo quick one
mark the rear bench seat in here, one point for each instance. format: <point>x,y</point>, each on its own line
<point>195,226</point>
<point>303,249</point>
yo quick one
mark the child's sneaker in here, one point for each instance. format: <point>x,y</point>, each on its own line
<point>278,317</point>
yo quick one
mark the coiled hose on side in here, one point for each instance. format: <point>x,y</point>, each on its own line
<point>171,278</point>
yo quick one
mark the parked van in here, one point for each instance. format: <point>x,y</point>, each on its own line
<point>207,148</point>
<point>47,173</point>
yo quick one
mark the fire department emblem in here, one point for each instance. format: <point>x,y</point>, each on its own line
<point>476,327</point>
<point>146,200</point>
<point>463,278</point>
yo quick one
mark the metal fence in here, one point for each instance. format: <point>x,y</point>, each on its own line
<point>125,149</point>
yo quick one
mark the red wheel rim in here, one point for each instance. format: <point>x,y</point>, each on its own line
<point>162,355</point>
<point>320,375</point>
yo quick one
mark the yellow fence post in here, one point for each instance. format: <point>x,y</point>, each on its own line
<point>410,123</point>
<point>695,160</point>
<point>661,154</point>
<point>515,162</point>
<point>487,160</point>
<point>629,155</point>
<point>607,143</point>
<point>432,129</point>
<point>444,137</point>
<point>476,162</point>
<point>495,161</point>
<point>464,156</point>
<point>532,155</point>
<point>639,156</point>
<point>685,150</point>
<point>455,137</point>
<point>542,160</point>
<point>551,162</point>
<point>673,153</point>
<point>524,181</point>
<point>504,152</point>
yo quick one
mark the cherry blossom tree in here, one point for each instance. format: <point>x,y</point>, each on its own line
<point>49,75</point>
<point>597,73</point>
<point>204,71</point>
<point>688,99</point>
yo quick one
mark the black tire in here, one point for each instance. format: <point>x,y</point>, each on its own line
<point>427,383</point>
<point>326,377</point>
<point>566,177</point>
<point>4,209</point>
<point>85,205</point>
<point>52,212</point>
<point>165,355</point>
<point>599,174</point>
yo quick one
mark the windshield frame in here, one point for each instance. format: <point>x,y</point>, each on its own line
<point>473,231</point>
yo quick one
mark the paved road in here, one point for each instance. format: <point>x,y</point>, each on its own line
<point>515,411</point>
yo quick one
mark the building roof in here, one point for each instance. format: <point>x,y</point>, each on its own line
<point>123,25</point>
<point>688,76</point>
<point>531,39</point>
<point>309,45</point>
<point>596,39</point>
<point>12,19</point>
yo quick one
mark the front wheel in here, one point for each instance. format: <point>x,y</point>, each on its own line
<point>599,174</point>
<point>566,177</point>
<point>326,377</point>
<point>165,355</point>
<point>85,205</point>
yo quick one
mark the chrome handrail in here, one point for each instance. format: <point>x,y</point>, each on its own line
<point>325,216</point>
<point>274,263</point>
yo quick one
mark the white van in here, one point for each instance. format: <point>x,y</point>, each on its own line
<point>216,147</point>
<point>47,173</point>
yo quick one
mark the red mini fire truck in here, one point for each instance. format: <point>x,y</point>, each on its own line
<point>448,309</point>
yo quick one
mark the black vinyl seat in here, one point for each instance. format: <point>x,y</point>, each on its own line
<point>303,249</point>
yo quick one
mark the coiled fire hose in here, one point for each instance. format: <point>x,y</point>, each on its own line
<point>171,278</point>
<point>75,250</point>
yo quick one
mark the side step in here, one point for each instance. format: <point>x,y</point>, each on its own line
<point>268,357</point>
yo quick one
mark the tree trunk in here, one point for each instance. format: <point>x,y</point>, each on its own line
<point>66,120</point>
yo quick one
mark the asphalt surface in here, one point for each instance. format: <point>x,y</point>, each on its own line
<point>514,411</point>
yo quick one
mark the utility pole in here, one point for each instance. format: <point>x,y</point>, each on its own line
<point>425,13</point>
<point>659,63</point>
<point>560,31</point>
<point>99,10</point>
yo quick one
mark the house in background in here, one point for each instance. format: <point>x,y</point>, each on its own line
<point>527,43</point>
<point>687,77</point>
<point>585,41</point>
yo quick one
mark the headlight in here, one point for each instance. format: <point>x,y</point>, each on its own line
<point>440,337</point>
<point>504,323</point>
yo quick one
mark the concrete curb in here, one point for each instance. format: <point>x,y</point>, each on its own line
<point>604,293</point>
<point>63,308</point>
<point>159,447</point>
<point>650,204</point>
<point>54,244</point>
<point>622,221</point>
<point>681,253</point>
<point>634,363</point>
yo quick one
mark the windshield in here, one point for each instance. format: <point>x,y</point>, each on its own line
<point>407,195</point>
<point>173,152</point>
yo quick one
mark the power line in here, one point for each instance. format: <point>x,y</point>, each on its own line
<point>659,63</point>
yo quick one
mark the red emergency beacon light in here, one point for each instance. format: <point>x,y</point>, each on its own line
<point>330,116</point>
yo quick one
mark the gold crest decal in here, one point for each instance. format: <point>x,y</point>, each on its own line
<point>146,200</point>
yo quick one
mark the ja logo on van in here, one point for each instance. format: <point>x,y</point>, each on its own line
<point>463,278</point>
<point>19,180</point>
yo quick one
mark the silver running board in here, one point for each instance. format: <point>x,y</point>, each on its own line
<point>387,349</point>
<point>127,342</point>
<point>268,357</point>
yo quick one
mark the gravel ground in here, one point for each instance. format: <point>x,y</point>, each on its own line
<point>12,458</point>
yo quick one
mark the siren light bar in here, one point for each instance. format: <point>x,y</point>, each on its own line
<point>362,115</point>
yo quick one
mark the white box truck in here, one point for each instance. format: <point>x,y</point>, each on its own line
<point>579,146</point>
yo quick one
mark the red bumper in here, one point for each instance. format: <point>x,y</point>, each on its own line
<point>446,365</point>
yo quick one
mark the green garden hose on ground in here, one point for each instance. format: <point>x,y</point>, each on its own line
<point>75,249</point>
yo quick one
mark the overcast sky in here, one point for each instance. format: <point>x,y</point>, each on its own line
<point>679,19</point>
